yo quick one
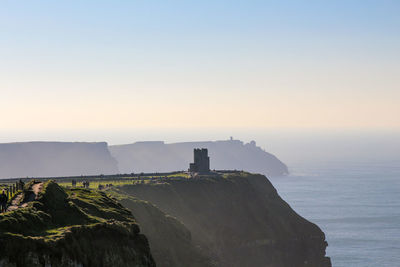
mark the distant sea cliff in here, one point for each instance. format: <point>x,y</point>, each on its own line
<point>30,159</point>
<point>46,159</point>
<point>224,155</point>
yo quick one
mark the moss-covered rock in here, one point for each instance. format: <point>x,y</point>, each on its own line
<point>76,227</point>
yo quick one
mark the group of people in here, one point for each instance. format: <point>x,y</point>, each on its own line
<point>86,184</point>
<point>3,202</point>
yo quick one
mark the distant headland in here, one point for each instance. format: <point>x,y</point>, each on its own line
<point>226,155</point>
<point>53,159</point>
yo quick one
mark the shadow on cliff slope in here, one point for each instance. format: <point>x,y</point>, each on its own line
<point>238,219</point>
<point>170,241</point>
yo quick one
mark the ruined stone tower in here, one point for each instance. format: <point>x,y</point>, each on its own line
<point>201,161</point>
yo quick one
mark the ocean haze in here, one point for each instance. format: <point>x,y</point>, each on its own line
<point>289,145</point>
<point>224,155</point>
<point>46,159</point>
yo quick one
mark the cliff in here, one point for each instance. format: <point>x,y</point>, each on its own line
<point>55,159</point>
<point>237,220</point>
<point>170,241</point>
<point>76,227</point>
<point>47,159</point>
<point>224,155</point>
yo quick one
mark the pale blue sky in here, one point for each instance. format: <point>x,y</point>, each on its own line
<point>121,65</point>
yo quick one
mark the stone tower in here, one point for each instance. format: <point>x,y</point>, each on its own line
<point>201,161</point>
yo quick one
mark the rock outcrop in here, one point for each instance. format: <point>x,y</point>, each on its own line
<point>40,159</point>
<point>76,227</point>
<point>224,155</point>
<point>237,220</point>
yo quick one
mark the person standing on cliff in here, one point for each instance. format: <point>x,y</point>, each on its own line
<point>3,202</point>
<point>21,184</point>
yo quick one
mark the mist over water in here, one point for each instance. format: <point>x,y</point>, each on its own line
<point>290,145</point>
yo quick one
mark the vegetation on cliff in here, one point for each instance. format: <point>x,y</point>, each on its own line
<point>239,219</point>
<point>72,227</point>
<point>221,219</point>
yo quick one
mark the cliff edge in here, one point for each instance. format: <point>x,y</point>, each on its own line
<point>238,220</point>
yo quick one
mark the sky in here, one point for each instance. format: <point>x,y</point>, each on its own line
<point>125,66</point>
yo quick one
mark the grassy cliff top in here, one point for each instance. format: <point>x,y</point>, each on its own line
<point>81,225</point>
<point>57,210</point>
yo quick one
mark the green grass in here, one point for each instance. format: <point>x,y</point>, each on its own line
<point>5,187</point>
<point>82,224</point>
<point>56,209</point>
<point>95,182</point>
<point>180,175</point>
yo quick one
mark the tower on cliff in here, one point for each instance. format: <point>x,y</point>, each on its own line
<point>201,161</point>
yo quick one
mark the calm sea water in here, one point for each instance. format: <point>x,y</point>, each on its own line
<point>357,205</point>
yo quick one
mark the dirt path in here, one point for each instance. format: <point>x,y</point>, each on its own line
<point>36,188</point>
<point>16,203</point>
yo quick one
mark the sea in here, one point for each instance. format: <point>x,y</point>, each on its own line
<point>356,204</point>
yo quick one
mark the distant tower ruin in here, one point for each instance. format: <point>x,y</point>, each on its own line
<point>201,161</point>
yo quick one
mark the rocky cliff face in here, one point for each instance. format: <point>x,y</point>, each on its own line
<point>230,154</point>
<point>238,219</point>
<point>170,241</point>
<point>76,227</point>
<point>55,159</point>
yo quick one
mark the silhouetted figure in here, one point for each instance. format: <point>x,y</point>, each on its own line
<point>86,184</point>
<point>21,185</point>
<point>3,201</point>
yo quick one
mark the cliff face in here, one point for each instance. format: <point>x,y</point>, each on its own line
<point>170,241</point>
<point>55,159</point>
<point>240,220</point>
<point>230,154</point>
<point>74,227</point>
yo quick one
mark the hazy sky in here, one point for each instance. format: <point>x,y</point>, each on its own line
<point>123,65</point>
